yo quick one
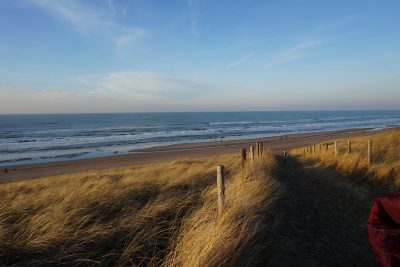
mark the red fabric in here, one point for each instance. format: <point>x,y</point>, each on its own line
<point>384,230</point>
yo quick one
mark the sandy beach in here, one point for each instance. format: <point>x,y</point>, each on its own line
<point>173,152</point>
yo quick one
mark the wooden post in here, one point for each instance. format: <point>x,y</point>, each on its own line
<point>326,147</point>
<point>252,154</point>
<point>348,147</point>
<point>320,148</point>
<point>314,149</point>
<point>257,149</point>
<point>261,148</point>
<point>336,148</point>
<point>220,188</point>
<point>243,157</point>
<point>369,158</point>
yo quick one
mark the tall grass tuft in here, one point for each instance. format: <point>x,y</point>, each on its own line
<point>385,161</point>
<point>142,215</point>
<point>242,234</point>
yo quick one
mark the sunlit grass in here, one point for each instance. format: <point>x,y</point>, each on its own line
<point>385,157</point>
<point>143,215</point>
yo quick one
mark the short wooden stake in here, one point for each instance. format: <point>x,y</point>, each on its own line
<point>369,158</point>
<point>220,188</point>
<point>348,147</point>
<point>257,149</point>
<point>336,148</point>
<point>326,147</point>
<point>243,157</point>
<point>252,154</point>
<point>262,148</point>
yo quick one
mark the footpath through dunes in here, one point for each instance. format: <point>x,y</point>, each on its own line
<point>323,218</point>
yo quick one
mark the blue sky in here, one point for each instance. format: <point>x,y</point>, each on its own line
<point>197,55</point>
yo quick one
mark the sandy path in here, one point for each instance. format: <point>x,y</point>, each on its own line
<point>323,219</point>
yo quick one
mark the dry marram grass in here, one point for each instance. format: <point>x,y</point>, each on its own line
<point>385,161</point>
<point>143,215</point>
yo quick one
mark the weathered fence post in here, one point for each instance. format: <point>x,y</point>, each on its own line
<point>262,148</point>
<point>220,188</point>
<point>257,149</point>
<point>369,158</point>
<point>314,149</point>
<point>336,148</point>
<point>243,157</point>
<point>252,154</point>
<point>326,147</point>
<point>348,147</point>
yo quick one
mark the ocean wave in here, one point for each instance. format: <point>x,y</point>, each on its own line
<point>231,122</point>
<point>71,138</point>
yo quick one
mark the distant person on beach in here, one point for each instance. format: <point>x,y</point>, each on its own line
<point>284,156</point>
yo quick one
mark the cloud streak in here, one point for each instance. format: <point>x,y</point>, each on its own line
<point>239,61</point>
<point>293,53</point>
<point>194,17</point>
<point>86,18</point>
<point>142,86</point>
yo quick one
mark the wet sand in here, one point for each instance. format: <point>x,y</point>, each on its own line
<point>173,152</point>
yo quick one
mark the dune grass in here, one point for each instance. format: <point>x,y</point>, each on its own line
<point>385,160</point>
<point>158,214</point>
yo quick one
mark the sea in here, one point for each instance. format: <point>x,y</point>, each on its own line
<point>26,139</point>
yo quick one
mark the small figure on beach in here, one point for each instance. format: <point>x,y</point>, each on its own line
<point>284,156</point>
<point>5,170</point>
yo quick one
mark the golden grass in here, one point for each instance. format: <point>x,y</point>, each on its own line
<point>239,237</point>
<point>143,215</point>
<point>385,165</point>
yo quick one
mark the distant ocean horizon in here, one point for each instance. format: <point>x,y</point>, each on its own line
<point>40,138</point>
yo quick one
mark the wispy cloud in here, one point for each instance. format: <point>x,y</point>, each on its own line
<point>86,18</point>
<point>239,61</point>
<point>130,36</point>
<point>143,86</point>
<point>293,53</point>
<point>194,16</point>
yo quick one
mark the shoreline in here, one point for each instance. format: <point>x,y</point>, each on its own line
<point>168,153</point>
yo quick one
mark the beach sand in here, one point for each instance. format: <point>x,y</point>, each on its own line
<point>173,152</point>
